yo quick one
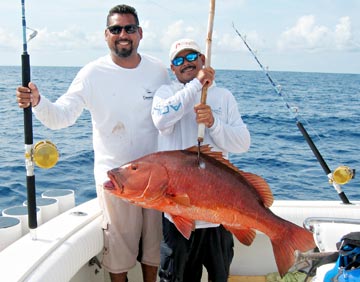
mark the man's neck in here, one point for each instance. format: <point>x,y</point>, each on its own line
<point>130,62</point>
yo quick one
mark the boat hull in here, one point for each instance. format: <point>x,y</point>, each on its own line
<point>246,259</point>
<point>65,245</point>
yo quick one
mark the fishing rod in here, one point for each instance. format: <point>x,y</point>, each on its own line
<point>29,162</point>
<point>44,154</point>
<point>201,126</point>
<point>342,174</point>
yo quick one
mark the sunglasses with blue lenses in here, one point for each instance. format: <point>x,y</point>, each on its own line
<point>117,29</point>
<point>178,61</point>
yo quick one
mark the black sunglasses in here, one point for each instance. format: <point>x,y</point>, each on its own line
<point>117,29</point>
<point>178,61</point>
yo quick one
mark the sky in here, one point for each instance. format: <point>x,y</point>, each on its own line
<point>287,35</point>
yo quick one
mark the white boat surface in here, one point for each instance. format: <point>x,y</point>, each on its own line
<point>68,247</point>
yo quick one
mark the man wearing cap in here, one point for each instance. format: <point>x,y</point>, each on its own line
<point>176,112</point>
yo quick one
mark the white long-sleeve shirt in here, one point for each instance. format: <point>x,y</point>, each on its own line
<point>173,115</point>
<point>119,101</point>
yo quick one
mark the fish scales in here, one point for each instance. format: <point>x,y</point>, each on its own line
<point>230,196</point>
<point>217,192</point>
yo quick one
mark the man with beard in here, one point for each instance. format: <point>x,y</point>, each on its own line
<point>118,90</point>
<point>176,113</point>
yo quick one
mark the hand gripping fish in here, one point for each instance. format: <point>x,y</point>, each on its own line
<point>173,182</point>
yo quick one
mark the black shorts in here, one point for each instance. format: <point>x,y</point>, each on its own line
<point>182,260</point>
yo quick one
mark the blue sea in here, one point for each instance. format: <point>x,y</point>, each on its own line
<point>328,105</point>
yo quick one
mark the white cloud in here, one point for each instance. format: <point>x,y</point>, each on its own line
<point>178,30</point>
<point>343,32</point>
<point>228,42</point>
<point>221,41</point>
<point>233,43</point>
<point>8,41</point>
<point>69,39</point>
<point>150,39</point>
<point>306,34</point>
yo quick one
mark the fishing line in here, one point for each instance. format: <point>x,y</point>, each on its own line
<point>293,110</point>
<point>277,87</point>
<point>300,126</point>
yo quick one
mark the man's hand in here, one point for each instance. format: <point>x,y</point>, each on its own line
<point>27,95</point>
<point>204,115</point>
<point>206,76</point>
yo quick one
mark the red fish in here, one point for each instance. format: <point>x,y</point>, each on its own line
<point>214,191</point>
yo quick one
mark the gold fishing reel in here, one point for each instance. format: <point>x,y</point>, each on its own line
<point>45,154</point>
<point>343,174</point>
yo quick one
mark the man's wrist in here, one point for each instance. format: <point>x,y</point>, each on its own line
<point>34,105</point>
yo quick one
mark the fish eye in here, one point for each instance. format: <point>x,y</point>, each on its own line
<point>134,167</point>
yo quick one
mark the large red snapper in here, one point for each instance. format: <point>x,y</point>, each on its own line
<point>215,191</point>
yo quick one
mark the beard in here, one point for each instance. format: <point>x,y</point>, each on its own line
<point>123,52</point>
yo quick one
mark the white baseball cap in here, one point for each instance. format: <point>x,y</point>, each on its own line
<point>183,44</point>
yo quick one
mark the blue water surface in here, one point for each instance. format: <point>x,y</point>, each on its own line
<point>326,104</point>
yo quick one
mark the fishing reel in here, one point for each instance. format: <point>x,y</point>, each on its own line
<point>44,154</point>
<point>342,175</point>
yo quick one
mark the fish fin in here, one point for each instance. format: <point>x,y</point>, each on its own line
<point>181,199</point>
<point>184,225</point>
<point>245,236</point>
<point>293,238</point>
<point>206,150</point>
<point>256,181</point>
<point>260,186</point>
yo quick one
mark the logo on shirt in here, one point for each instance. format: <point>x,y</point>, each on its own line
<point>167,109</point>
<point>217,111</point>
<point>149,95</point>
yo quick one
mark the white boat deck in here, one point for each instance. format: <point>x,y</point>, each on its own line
<point>65,244</point>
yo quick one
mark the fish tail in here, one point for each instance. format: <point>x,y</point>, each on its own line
<point>293,238</point>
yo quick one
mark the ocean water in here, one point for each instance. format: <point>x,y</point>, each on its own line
<point>327,105</point>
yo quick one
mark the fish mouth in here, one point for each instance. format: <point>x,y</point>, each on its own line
<point>108,185</point>
<point>113,185</point>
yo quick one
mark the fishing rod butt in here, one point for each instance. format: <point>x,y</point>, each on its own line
<point>33,234</point>
<point>28,126</point>
<point>31,201</point>
<point>25,70</point>
<point>201,132</point>
<point>344,199</point>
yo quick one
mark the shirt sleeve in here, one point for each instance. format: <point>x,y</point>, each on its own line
<point>65,111</point>
<point>172,102</point>
<point>229,132</point>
